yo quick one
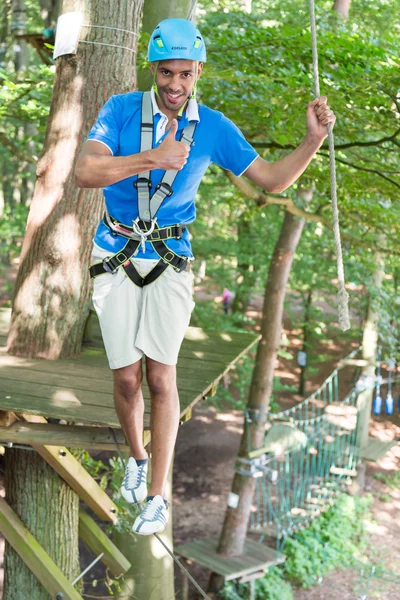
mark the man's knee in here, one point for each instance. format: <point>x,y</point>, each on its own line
<point>128,380</point>
<point>161,379</point>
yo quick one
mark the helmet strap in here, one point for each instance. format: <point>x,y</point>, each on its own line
<point>155,87</point>
<point>194,90</point>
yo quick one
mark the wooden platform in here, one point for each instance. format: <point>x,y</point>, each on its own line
<point>80,390</point>
<point>376,449</point>
<point>256,557</point>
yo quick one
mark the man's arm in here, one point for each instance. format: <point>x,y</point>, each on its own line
<point>277,176</point>
<point>97,168</point>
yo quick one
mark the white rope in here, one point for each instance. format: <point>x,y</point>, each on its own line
<point>343,296</point>
<point>111,45</point>
<point>113,28</point>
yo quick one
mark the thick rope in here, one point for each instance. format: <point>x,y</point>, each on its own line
<point>343,297</point>
<point>172,555</point>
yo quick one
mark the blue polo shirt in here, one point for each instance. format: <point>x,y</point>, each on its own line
<point>216,140</point>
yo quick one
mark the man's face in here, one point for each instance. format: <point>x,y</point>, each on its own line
<point>175,80</point>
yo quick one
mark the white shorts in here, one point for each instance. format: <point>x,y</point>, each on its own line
<point>136,321</point>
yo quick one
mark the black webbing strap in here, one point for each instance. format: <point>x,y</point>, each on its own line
<point>138,279</point>
<point>110,264</point>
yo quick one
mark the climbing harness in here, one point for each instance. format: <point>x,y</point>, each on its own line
<point>145,228</point>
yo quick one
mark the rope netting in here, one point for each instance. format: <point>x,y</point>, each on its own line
<point>309,456</point>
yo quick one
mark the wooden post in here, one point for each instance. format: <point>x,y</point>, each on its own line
<point>185,583</point>
<point>99,542</point>
<point>33,555</point>
<point>152,574</point>
<point>369,352</point>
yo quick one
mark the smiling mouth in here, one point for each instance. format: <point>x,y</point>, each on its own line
<point>173,97</point>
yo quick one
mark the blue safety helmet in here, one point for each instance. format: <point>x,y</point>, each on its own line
<point>176,39</point>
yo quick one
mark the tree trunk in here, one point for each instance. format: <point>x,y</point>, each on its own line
<point>49,509</point>
<point>4,9</point>
<point>236,519</point>
<point>155,11</point>
<point>151,576</point>
<point>342,7</point>
<point>50,12</point>
<point>51,301</point>
<point>246,275</point>
<point>306,335</point>
<point>18,27</point>
<point>369,353</point>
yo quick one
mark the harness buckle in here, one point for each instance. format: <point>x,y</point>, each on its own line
<point>107,267</point>
<point>165,188</point>
<point>182,265</point>
<point>143,234</point>
<point>142,181</point>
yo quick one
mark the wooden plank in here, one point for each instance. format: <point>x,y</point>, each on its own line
<point>251,577</point>
<point>43,387</point>
<point>344,472</point>
<point>376,449</point>
<point>71,470</point>
<point>186,417</point>
<point>80,414</point>
<point>255,557</point>
<point>98,541</point>
<point>96,438</point>
<point>69,395</point>
<point>83,383</point>
<point>33,555</point>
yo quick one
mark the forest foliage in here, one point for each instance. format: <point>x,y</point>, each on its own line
<point>259,74</point>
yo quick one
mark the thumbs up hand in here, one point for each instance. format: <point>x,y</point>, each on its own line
<point>171,154</point>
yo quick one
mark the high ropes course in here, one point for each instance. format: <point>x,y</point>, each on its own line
<point>310,455</point>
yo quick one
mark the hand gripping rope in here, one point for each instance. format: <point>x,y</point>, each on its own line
<point>343,296</point>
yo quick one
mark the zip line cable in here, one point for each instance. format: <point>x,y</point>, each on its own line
<point>343,296</point>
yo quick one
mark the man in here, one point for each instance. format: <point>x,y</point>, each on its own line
<point>149,153</point>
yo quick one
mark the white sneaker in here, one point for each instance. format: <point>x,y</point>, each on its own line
<point>153,519</point>
<point>134,485</point>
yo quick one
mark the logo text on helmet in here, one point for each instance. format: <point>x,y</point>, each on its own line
<point>179,47</point>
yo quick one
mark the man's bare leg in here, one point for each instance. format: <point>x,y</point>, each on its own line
<point>164,421</point>
<point>129,405</point>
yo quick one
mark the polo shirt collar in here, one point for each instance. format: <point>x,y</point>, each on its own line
<point>191,112</point>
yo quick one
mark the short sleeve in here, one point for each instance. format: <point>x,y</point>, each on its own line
<point>107,127</point>
<point>232,151</point>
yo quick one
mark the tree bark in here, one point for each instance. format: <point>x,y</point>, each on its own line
<point>236,519</point>
<point>246,274</point>
<point>306,335</point>
<point>51,301</point>
<point>50,11</point>
<point>342,7</point>
<point>18,27</point>
<point>369,353</point>
<point>50,510</point>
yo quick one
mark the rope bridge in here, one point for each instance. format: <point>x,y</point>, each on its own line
<point>309,454</point>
